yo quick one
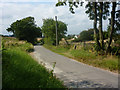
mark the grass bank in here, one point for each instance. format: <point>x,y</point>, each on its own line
<point>20,70</point>
<point>86,56</point>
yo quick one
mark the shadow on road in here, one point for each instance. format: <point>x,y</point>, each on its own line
<point>86,84</point>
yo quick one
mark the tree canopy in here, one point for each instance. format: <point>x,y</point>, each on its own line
<point>49,31</point>
<point>25,29</point>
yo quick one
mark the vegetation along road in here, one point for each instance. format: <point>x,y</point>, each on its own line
<point>73,73</point>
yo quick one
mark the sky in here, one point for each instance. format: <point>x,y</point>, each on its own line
<point>12,10</point>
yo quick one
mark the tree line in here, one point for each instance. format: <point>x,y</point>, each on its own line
<point>26,29</point>
<point>49,31</point>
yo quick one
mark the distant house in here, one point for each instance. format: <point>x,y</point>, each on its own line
<point>76,36</point>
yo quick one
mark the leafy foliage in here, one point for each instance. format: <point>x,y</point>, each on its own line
<point>25,29</point>
<point>49,31</point>
<point>90,10</point>
<point>71,3</point>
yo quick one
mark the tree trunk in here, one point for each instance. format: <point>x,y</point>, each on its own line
<point>95,25</point>
<point>112,26</point>
<point>100,26</point>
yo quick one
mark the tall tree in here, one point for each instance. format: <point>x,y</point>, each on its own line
<point>103,14</point>
<point>100,25</point>
<point>49,31</point>
<point>25,29</point>
<point>112,25</point>
<point>95,24</point>
<point>92,11</point>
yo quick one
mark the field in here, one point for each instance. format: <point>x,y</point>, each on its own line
<point>87,56</point>
<point>20,70</point>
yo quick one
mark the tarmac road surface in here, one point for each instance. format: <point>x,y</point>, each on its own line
<point>73,73</point>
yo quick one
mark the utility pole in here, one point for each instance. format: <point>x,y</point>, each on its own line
<point>56,30</point>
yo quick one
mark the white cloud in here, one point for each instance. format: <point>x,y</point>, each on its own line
<point>14,11</point>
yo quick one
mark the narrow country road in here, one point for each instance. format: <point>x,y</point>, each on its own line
<point>75,74</point>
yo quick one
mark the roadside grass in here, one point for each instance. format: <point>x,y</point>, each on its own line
<point>59,49</point>
<point>8,42</point>
<point>20,70</point>
<point>82,54</point>
<point>111,64</point>
<point>86,56</point>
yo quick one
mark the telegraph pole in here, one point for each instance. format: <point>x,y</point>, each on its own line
<point>56,30</point>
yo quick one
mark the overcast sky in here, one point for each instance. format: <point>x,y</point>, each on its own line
<point>10,11</point>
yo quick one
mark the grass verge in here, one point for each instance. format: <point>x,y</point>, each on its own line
<point>20,70</point>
